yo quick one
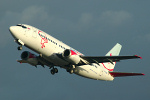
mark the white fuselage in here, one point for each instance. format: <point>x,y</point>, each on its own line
<point>48,46</point>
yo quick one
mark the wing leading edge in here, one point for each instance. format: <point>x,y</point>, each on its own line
<point>103,59</point>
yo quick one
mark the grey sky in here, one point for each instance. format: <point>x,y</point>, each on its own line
<point>92,27</point>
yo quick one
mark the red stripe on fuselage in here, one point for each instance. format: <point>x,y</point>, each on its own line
<point>107,68</point>
<point>108,63</point>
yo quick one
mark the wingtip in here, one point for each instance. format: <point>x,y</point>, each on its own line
<point>142,73</point>
<point>138,56</point>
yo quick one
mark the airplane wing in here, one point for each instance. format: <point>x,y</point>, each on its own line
<point>103,59</point>
<point>122,74</point>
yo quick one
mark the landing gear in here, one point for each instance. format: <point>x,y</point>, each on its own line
<point>71,69</point>
<point>20,43</point>
<point>53,71</point>
<point>20,47</point>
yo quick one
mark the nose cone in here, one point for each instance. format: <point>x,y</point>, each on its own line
<point>13,30</point>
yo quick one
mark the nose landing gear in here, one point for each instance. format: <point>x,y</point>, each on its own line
<point>20,43</point>
<point>20,47</point>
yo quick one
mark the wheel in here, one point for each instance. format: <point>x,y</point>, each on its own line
<point>56,70</point>
<point>67,70</point>
<point>71,71</point>
<point>20,48</point>
<point>52,72</point>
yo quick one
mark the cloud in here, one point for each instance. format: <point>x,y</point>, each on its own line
<point>142,39</point>
<point>104,19</point>
<point>34,13</point>
<point>86,18</point>
<point>29,15</point>
<point>101,22</point>
<point>115,18</point>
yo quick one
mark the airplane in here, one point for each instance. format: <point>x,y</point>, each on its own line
<point>54,53</point>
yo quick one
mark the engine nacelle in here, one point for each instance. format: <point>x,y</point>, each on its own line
<point>29,58</point>
<point>71,56</point>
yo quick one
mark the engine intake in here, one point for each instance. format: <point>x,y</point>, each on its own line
<point>67,53</point>
<point>71,56</point>
<point>26,55</point>
<point>29,58</point>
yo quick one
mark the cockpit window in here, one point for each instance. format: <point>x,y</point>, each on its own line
<point>21,25</point>
<point>24,27</point>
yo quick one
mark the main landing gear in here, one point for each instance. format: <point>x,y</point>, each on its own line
<point>54,70</point>
<point>71,69</point>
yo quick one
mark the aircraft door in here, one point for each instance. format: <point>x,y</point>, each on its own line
<point>101,73</point>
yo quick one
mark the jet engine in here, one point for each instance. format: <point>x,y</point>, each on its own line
<point>71,56</point>
<point>29,58</point>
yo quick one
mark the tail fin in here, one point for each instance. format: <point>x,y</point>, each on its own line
<point>113,52</point>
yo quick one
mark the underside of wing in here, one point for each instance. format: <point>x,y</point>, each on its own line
<point>102,59</point>
<point>122,74</point>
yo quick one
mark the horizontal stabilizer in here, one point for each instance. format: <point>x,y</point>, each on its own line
<point>122,74</point>
<point>22,61</point>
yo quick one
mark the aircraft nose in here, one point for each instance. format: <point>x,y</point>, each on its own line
<point>13,30</point>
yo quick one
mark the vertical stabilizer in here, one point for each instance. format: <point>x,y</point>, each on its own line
<point>113,52</point>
